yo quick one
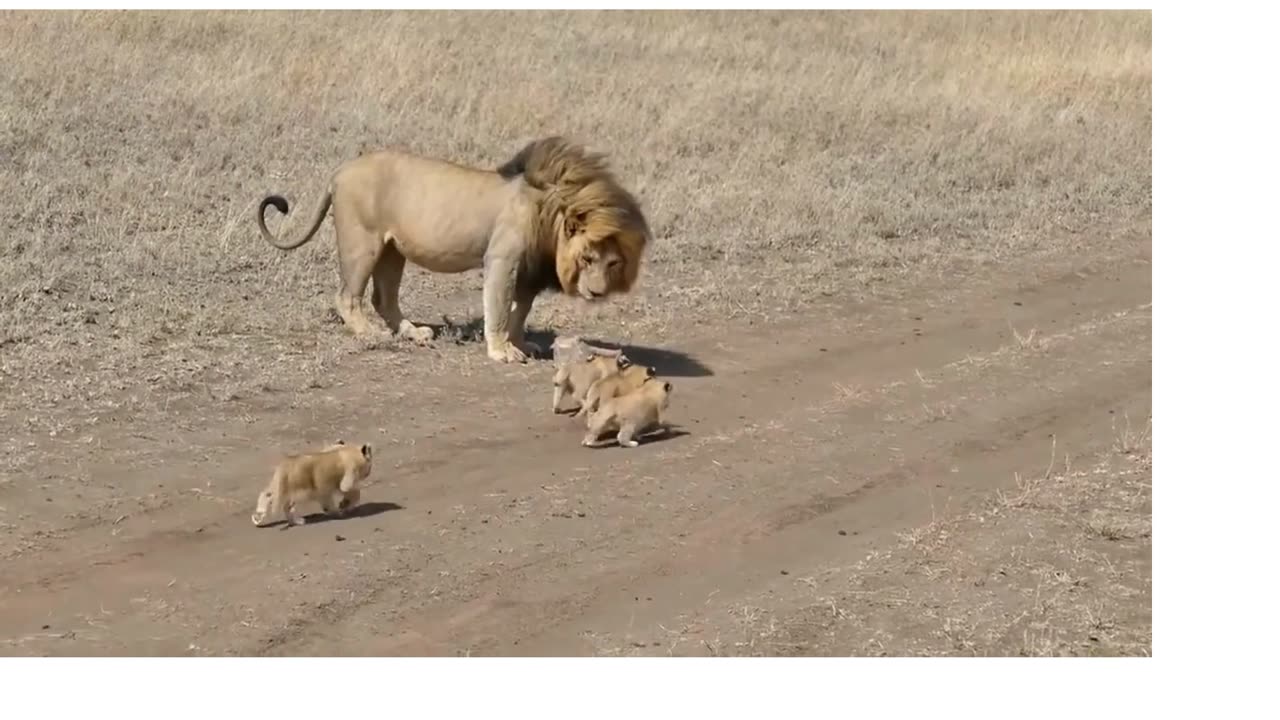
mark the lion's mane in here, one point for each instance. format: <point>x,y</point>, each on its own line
<point>580,193</point>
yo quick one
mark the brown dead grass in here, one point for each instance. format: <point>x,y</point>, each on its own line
<point>785,159</point>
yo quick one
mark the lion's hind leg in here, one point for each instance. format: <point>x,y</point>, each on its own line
<point>349,501</point>
<point>291,514</point>
<point>264,507</point>
<point>358,252</point>
<point>560,381</point>
<point>627,435</point>
<point>270,500</point>
<point>386,296</point>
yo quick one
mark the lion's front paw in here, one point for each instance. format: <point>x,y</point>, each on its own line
<point>507,353</point>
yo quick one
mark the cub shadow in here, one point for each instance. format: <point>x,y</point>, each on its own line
<point>671,432</point>
<point>362,510</point>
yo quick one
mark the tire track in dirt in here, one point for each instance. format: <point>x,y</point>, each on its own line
<point>463,438</point>
<point>298,592</point>
<point>731,551</point>
<point>959,466</point>
<point>500,601</point>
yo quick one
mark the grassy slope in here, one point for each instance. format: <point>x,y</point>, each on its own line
<point>783,158</point>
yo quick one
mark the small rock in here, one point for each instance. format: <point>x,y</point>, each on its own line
<point>339,538</point>
<point>784,572</point>
<point>843,533</point>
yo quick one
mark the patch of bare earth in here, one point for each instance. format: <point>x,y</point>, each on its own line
<point>1058,565</point>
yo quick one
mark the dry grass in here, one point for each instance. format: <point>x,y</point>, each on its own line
<point>784,159</point>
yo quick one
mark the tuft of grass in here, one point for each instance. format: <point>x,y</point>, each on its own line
<point>1029,341</point>
<point>1027,488</point>
<point>1131,442</point>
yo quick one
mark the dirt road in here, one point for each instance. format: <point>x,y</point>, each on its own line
<point>489,530</point>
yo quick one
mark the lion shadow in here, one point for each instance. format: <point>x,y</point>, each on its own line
<point>471,331</point>
<point>668,363</point>
<point>363,510</point>
<point>458,333</point>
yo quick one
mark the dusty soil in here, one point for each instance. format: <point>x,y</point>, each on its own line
<point>880,447</point>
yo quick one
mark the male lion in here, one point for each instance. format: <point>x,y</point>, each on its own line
<point>552,217</point>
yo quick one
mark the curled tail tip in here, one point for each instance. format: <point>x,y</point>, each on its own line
<point>276,201</point>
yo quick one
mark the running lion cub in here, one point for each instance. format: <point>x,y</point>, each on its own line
<point>330,477</point>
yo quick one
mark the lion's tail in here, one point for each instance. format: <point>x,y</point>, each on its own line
<point>282,206</point>
<point>555,162</point>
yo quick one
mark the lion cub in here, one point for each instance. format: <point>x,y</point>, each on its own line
<point>334,472</point>
<point>576,378</point>
<point>633,414</point>
<point>615,385</point>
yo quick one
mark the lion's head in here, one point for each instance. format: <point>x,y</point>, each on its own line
<point>591,224</point>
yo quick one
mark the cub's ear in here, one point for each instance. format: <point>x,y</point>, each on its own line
<point>666,387</point>
<point>366,450</point>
